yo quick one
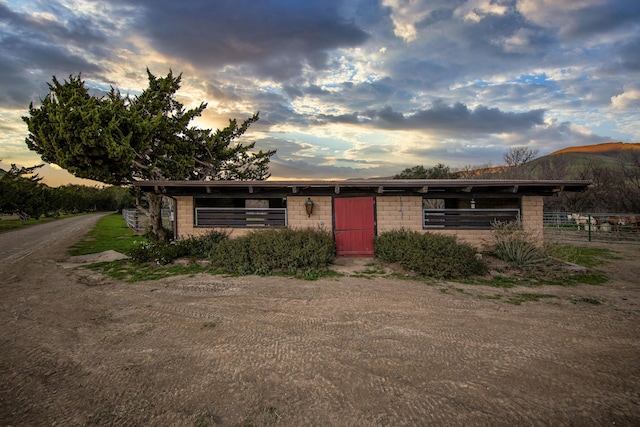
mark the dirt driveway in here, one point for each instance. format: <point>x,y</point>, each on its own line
<point>77,349</point>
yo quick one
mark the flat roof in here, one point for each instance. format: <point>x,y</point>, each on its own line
<point>378,186</point>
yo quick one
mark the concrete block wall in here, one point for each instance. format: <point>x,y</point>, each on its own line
<point>532,216</point>
<point>184,217</point>
<point>392,213</point>
<point>322,216</point>
<point>396,212</point>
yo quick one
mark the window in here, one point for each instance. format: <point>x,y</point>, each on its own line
<point>240,213</point>
<point>468,214</point>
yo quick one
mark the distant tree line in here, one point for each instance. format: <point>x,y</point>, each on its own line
<point>22,193</point>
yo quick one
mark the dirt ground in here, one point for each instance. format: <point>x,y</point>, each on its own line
<point>79,349</point>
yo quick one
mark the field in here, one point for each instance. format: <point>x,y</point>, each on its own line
<point>365,348</point>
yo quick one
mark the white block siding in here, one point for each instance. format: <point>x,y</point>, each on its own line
<point>392,213</point>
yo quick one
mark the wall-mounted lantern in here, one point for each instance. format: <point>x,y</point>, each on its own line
<point>308,205</point>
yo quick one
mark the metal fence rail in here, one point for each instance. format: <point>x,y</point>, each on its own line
<point>587,226</point>
<point>139,221</point>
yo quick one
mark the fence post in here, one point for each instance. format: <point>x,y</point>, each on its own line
<point>589,222</point>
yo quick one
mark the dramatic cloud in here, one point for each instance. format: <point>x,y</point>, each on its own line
<point>275,39</point>
<point>346,88</point>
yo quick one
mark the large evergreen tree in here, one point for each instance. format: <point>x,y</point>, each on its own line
<point>122,139</point>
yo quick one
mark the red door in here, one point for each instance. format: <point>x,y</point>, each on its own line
<point>354,226</point>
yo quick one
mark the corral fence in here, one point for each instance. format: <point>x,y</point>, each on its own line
<point>588,226</point>
<point>138,221</point>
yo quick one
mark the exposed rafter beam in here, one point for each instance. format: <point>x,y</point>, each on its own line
<point>515,188</point>
<point>250,190</point>
<point>424,190</point>
<point>208,189</point>
<point>468,189</point>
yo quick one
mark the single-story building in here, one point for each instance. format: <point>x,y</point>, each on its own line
<point>356,211</point>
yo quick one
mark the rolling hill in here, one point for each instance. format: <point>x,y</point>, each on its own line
<point>571,163</point>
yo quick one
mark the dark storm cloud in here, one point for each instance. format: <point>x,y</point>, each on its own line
<point>456,119</point>
<point>602,18</point>
<point>75,30</point>
<point>274,38</point>
<point>629,54</point>
<point>33,50</point>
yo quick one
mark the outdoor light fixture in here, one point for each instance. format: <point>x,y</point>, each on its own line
<point>308,205</point>
<point>473,203</point>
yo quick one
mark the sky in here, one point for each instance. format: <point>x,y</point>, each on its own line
<point>345,88</point>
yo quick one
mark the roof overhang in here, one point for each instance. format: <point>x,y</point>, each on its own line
<point>424,187</point>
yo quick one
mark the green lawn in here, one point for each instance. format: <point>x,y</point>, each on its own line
<point>110,233</point>
<point>14,224</point>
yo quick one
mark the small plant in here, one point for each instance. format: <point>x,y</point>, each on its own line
<point>158,251</point>
<point>209,325</point>
<point>164,252</point>
<point>429,254</point>
<point>277,250</point>
<point>515,245</point>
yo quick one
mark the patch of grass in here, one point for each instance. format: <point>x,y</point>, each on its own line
<point>495,282</point>
<point>131,272</point>
<point>591,278</point>
<point>14,224</point>
<point>519,298</point>
<point>587,257</point>
<point>491,297</point>
<point>315,274</point>
<point>110,233</point>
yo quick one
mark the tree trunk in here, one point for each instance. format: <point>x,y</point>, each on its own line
<point>155,215</point>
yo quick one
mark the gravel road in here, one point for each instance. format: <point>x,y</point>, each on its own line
<point>79,349</point>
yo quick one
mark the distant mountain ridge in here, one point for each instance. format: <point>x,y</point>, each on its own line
<point>577,162</point>
<point>600,148</point>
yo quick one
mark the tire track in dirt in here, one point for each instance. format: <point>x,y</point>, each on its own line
<point>276,351</point>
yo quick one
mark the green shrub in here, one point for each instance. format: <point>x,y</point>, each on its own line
<point>163,252</point>
<point>202,246</point>
<point>515,245</point>
<point>429,254</point>
<point>160,252</point>
<point>275,250</point>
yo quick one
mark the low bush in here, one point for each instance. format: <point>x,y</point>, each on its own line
<point>429,254</point>
<point>160,252</point>
<point>515,245</point>
<point>277,250</point>
<point>163,252</point>
<point>201,246</point>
